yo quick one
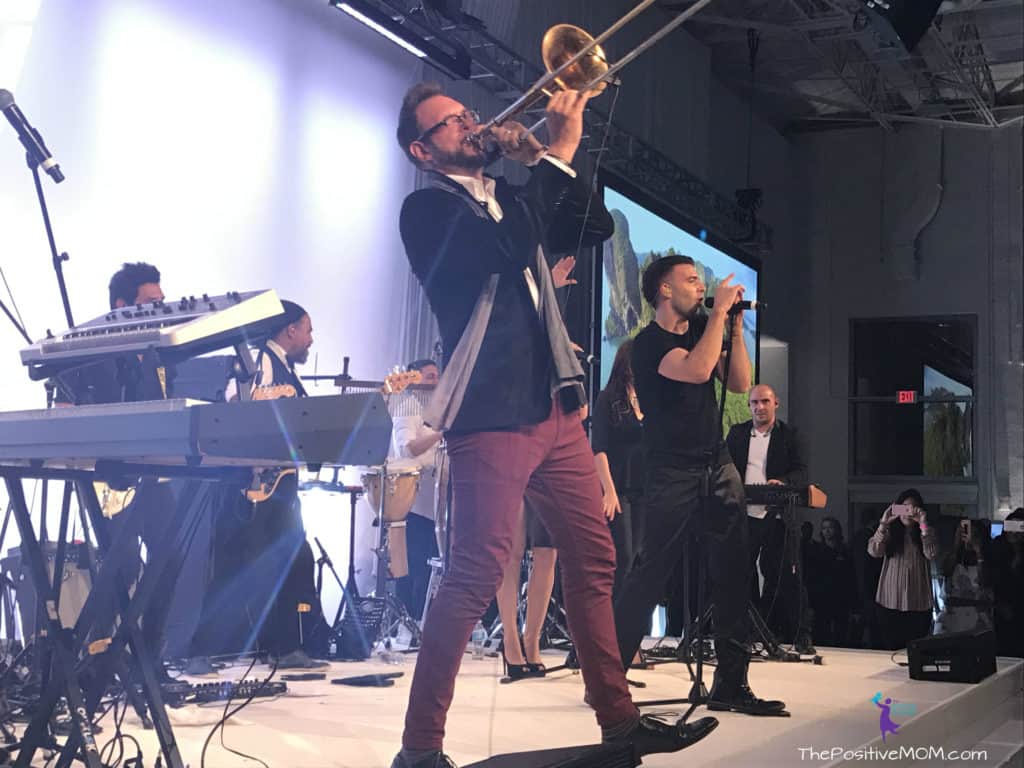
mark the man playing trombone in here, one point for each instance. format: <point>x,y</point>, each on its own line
<point>510,396</point>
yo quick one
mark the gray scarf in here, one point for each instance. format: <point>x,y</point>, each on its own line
<point>451,389</point>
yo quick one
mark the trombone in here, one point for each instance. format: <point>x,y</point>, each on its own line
<point>575,60</point>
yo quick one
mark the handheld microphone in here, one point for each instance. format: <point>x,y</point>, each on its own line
<point>739,306</point>
<point>29,137</point>
<point>587,358</point>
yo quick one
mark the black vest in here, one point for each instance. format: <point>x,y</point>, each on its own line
<point>283,374</point>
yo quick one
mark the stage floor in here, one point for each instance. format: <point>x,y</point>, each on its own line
<point>316,724</point>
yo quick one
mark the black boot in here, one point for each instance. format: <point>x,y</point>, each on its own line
<point>731,691</point>
<point>651,735</point>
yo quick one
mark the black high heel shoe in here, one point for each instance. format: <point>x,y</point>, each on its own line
<point>514,672</point>
<point>537,670</point>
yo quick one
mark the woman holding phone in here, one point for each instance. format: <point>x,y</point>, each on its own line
<point>906,544</point>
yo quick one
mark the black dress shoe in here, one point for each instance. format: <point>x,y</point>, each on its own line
<point>652,735</point>
<point>745,702</point>
<point>804,646</point>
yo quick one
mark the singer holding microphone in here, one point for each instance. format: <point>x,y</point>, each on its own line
<point>674,361</point>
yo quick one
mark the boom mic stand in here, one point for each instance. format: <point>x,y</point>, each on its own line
<point>33,160</point>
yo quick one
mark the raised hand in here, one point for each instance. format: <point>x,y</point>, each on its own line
<point>560,273</point>
<point>727,294</point>
<point>565,122</point>
<point>516,144</point>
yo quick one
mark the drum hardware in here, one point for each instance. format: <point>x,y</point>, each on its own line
<point>391,495</point>
<point>357,620</point>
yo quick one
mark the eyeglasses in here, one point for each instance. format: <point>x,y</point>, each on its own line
<point>465,119</point>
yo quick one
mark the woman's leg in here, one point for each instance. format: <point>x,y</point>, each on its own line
<point>508,597</point>
<point>538,596</point>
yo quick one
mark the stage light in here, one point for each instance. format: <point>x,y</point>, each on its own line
<point>380,28</point>
<point>905,21</point>
<point>704,235</point>
<point>447,56</point>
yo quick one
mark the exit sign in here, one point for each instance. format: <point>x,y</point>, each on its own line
<point>906,396</point>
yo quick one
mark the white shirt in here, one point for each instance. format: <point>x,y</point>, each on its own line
<point>483,193</point>
<point>406,428</point>
<point>757,456</point>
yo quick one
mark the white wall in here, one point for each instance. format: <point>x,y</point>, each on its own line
<point>236,144</point>
<point>844,222</point>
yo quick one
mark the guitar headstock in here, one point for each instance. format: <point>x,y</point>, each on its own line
<point>396,382</point>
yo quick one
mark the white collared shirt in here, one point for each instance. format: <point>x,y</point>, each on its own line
<point>757,457</point>
<point>407,418</point>
<point>483,193</point>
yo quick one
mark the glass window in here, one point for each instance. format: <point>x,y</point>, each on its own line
<point>934,359</point>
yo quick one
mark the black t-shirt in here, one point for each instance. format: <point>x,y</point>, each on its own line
<point>680,419</point>
<point>617,432</point>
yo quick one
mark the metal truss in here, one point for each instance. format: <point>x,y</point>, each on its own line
<point>505,74</point>
<point>948,78</point>
<point>968,61</point>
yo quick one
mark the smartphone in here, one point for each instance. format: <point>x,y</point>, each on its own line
<point>902,511</point>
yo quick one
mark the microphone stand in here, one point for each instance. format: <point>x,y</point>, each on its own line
<point>58,258</point>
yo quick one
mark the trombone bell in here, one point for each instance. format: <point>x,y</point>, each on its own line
<point>563,41</point>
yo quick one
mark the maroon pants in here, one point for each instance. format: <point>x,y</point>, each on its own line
<point>490,472</point>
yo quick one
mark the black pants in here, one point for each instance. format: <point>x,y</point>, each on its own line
<point>421,545</point>
<point>279,571</point>
<point>682,593</point>
<point>672,511</point>
<point>150,517</point>
<point>900,627</point>
<point>626,533</point>
<point>783,604</point>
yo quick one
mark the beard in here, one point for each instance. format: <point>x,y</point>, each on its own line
<point>463,157</point>
<point>688,313</point>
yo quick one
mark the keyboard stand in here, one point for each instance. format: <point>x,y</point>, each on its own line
<point>87,647</point>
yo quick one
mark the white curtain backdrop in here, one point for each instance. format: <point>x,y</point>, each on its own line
<point>235,144</point>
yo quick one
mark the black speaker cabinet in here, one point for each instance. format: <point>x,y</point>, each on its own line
<point>955,657</point>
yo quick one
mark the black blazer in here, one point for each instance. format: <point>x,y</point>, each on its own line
<point>453,251</point>
<point>785,460</point>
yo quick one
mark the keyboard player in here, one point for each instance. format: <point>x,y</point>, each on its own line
<point>124,379</point>
<point>768,450</point>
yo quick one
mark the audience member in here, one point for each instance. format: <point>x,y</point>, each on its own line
<point>905,543</point>
<point>966,579</point>
<point>1008,575</point>
<point>834,593</point>
<point>865,631</point>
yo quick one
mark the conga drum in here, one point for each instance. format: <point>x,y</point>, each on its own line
<point>392,505</point>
